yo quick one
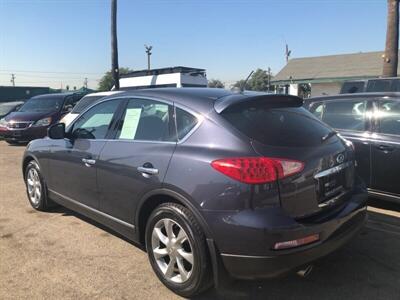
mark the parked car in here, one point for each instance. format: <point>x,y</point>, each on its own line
<point>84,103</point>
<point>372,85</point>
<point>8,107</point>
<point>204,178</point>
<point>35,116</point>
<point>372,122</point>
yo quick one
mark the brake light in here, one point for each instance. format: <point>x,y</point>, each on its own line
<point>256,170</point>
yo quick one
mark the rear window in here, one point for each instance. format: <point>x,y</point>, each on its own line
<point>286,127</point>
<point>84,103</point>
<point>352,87</point>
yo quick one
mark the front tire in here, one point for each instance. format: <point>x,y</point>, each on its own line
<point>177,250</point>
<point>35,187</point>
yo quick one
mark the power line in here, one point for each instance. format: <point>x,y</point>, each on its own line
<point>49,72</point>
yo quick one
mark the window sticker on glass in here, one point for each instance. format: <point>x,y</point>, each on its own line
<point>131,121</point>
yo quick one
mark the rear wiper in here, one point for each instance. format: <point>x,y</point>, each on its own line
<point>328,136</point>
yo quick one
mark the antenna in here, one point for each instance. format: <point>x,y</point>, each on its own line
<point>12,79</point>
<point>148,51</point>
<point>287,53</point>
<point>243,86</point>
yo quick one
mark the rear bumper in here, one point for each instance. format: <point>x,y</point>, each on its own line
<point>252,256</point>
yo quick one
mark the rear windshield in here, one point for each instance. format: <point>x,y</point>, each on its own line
<point>285,127</point>
<point>84,103</point>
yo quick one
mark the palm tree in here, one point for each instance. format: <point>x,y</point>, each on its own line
<point>390,58</point>
<point>114,45</point>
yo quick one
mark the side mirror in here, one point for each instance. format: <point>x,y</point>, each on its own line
<point>56,131</point>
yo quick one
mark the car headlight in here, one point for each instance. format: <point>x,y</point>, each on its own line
<point>3,123</point>
<point>43,122</point>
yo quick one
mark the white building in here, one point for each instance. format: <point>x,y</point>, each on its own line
<point>165,77</point>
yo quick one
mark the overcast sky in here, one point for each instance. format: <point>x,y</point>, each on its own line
<point>49,43</point>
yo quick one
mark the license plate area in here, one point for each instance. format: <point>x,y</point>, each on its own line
<point>332,185</point>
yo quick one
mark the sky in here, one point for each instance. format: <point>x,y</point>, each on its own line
<point>60,42</point>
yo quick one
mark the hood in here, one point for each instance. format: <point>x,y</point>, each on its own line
<point>28,116</point>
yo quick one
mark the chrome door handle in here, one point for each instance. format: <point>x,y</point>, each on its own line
<point>148,171</point>
<point>88,162</point>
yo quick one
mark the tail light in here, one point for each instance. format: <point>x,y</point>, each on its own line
<point>256,170</point>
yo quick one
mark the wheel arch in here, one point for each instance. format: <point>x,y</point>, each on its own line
<point>156,197</point>
<point>26,160</point>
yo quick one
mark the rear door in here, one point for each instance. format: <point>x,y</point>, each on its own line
<point>136,160</point>
<point>386,148</point>
<point>351,118</point>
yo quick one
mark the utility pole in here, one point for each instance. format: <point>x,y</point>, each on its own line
<point>390,58</point>
<point>287,53</point>
<point>148,51</point>
<point>269,78</point>
<point>85,83</point>
<point>114,45</point>
<point>12,79</point>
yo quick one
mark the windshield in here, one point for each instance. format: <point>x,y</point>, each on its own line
<point>84,103</point>
<point>42,104</point>
<point>5,108</point>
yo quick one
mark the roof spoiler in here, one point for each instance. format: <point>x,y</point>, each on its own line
<point>259,99</point>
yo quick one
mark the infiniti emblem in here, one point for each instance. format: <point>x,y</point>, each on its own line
<point>340,158</point>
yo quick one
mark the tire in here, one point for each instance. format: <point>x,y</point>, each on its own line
<point>36,187</point>
<point>183,277</point>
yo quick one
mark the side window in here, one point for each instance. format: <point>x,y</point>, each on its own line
<point>346,114</point>
<point>317,109</point>
<point>389,117</point>
<point>184,122</point>
<point>94,124</point>
<point>69,103</point>
<point>147,120</point>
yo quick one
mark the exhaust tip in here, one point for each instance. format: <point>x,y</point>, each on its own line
<point>305,272</point>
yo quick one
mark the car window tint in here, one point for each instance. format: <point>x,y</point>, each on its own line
<point>286,126</point>
<point>94,124</point>
<point>345,114</point>
<point>84,103</point>
<point>352,87</point>
<point>146,120</point>
<point>185,122</point>
<point>389,117</point>
<point>317,109</point>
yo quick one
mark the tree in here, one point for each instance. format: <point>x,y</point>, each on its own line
<point>216,83</point>
<point>107,82</point>
<point>390,58</point>
<point>259,81</point>
<point>114,45</point>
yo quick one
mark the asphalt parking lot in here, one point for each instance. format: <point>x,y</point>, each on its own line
<point>62,255</point>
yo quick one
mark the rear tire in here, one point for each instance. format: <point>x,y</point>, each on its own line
<point>177,250</point>
<point>36,187</point>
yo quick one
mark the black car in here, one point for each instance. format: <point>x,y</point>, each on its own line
<point>372,122</point>
<point>35,116</point>
<point>207,180</point>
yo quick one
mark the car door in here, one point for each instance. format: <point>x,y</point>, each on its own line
<point>386,148</point>
<point>73,160</point>
<point>351,118</point>
<point>136,160</point>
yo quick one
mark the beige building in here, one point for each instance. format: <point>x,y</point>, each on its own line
<point>326,74</point>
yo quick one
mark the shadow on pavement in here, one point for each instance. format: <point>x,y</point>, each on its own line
<point>366,268</point>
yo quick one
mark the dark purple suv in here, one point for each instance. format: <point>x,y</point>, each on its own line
<point>35,116</point>
<point>207,180</point>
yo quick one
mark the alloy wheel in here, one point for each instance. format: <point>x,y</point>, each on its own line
<point>172,250</point>
<point>34,186</point>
